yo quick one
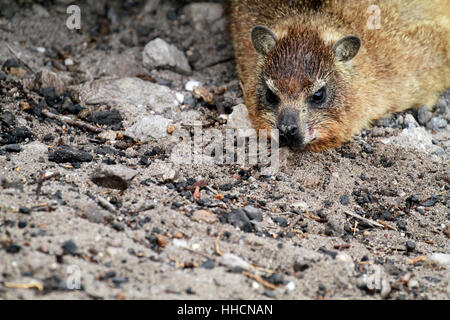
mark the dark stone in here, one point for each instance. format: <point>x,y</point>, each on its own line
<point>225,187</point>
<point>253,213</point>
<point>239,219</point>
<point>50,96</point>
<point>73,109</point>
<point>69,247</point>
<point>118,226</point>
<point>144,161</point>
<point>270,294</point>
<point>13,148</point>
<point>430,202</point>
<point>24,210</point>
<point>104,150</point>
<point>13,248</point>
<point>68,154</point>
<point>8,119</point>
<point>11,63</point>
<point>275,278</point>
<point>330,253</point>
<point>345,200</point>
<point>17,135</point>
<point>110,118</point>
<point>208,264</point>
<point>119,280</point>
<point>22,224</point>
<point>401,225</point>
<point>282,222</point>
<point>410,246</point>
<point>301,265</point>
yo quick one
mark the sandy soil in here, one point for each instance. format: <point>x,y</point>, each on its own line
<point>149,241</point>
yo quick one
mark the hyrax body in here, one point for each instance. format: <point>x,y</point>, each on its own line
<point>322,70</point>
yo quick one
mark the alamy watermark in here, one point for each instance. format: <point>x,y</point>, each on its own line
<point>374,21</point>
<point>73,280</point>
<point>74,20</point>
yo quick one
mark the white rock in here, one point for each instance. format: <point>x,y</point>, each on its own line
<point>290,286</point>
<point>40,49</point>
<point>385,288</point>
<point>300,205</point>
<point>437,123</point>
<point>180,97</point>
<point>149,128</point>
<point>161,170</point>
<point>69,62</point>
<point>442,259</point>
<point>191,84</point>
<point>135,98</point>
<point>232,261</point>
<point>410,122</point>
<point>415,139</point>
<point>180,243</point>
<point>108,135</point>
<point>159,54</point>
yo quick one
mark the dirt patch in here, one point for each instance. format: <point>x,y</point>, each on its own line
<point>368,220</point>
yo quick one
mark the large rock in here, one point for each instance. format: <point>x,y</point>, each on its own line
<point>113,176</point>
<point>162,171</point>
<point>424,115</point>
<point>205,16</point>
<point>135,98</point>
<point>46,78</point>
<point>158,54</point>
<point>100,63</point>
<point>239,120</point>
<point>437,124</point>
<point>149,128</point>
<point>415,139</point>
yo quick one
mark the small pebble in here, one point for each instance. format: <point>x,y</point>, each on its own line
<point>410,246</point>
<point>69,247</point>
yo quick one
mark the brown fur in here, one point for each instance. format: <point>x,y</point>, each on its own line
<point>404,64</point>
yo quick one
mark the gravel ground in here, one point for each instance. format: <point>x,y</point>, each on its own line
<point>107,210</point>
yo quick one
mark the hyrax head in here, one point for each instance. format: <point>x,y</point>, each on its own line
<point>301,85</point>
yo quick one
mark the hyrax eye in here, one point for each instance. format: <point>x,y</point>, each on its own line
<point>319,96</point>
<point>271,97</point>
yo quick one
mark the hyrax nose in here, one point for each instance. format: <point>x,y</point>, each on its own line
<point>288,124</point>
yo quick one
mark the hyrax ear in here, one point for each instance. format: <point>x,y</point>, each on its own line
<point>263,39</point>
<point>347,48</point>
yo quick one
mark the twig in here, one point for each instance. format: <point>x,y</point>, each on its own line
<point>68,120</point>
<point>386,225</point>
<point>106,204</point>
<point>368,221</point>
<point>341,247</point>
<point>31,285</point>
<point>318,219</point>
<point>218,251</point>
<point>260,280</point>
<point>44,176</point>
<point>212,190</point>
<point>295,221</point>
